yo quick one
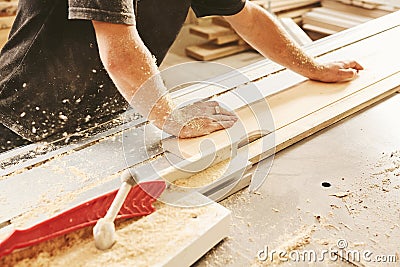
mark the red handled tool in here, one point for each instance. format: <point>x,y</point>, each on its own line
<point>137,203</point>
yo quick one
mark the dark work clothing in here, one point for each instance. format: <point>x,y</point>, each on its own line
<point>52,81</point>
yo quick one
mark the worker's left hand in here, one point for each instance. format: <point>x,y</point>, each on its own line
<point>337,71</point>
<point>198,119</point>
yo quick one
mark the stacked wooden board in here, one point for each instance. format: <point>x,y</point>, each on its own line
<point>8,10</point>
<point>222,40</point>
<point>338,15</point>
<point>293,9</point>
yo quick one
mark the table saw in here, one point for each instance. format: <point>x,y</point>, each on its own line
<point>311,197</point>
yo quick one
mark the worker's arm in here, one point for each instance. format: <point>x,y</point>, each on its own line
<point>261,30</point>
<point>134,71</point>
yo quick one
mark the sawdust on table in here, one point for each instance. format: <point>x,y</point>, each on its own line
<point>287,244</point>
<point>135,245</point>
<point>51,207</point>
<point>205,177</point>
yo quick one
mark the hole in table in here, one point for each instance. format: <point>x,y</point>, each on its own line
<point>326,184</point>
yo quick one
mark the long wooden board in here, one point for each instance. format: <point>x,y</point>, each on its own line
<point>308,96</point>
<point>210,32</point>
<point>266,67</point>
<point>4,36</point>
<point>375,13</point>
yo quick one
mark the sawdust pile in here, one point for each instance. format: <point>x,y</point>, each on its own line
<point>205,177</point>
<point>295,241</point>
<point>51,207</point>
<point>135,245</point>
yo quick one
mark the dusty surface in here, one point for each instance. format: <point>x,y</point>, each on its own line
<point>205,177</point>
<point>138,242</point>
<point>135,245</point>
<point>358,162</point>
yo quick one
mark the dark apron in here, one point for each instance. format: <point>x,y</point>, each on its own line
<point>52,81</point>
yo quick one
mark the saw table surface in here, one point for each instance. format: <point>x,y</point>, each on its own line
<point>359,159</point>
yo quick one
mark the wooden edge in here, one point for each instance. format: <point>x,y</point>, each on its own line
<point>210,32</point>
<point>300,129</point>
<point>226,39</point>
<point>211,51</point>
<point>332,42</point>
<point>195,230</point>
<point>210,229</point>
<point>218,20</point>
<point>318,29</point>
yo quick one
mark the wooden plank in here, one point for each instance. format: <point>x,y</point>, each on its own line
<point>323,25</point>
<point>6,22</point>
<point>316,35</point>
<point>210,32</point>
<point>316,18</point>
<point>295,31</point>
<point>217,20</point>
<point>307,126</point>
<point>341,14</point>
<point>353,9</point>
<point>308,96</point>
<point>226,39</point>
<point>266,67</point>
<point>294,13</point>
<point>393,3</point>
<point>4,36</point>
<point>8,8</point>
<point>319,29</point>
<point>280,6</point>
<point>211,51</point>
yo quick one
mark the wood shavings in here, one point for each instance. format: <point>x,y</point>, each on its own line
<point>358,244</point>
<point>135,245</point>
<point>348,208</point>
<point>205,177</point>
<point>340,194</point>
<point>345,225</point>
<point>296,241</point>
<point>50,207</point>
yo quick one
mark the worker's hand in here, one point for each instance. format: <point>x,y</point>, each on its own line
<point>338,71</point>
<point>200,118</point>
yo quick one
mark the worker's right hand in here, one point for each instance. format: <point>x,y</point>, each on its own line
<point>337,71</point>
<point>198,119</point>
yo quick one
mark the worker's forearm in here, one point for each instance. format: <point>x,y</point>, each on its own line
<point>133,70</point>
<point>263,32</point>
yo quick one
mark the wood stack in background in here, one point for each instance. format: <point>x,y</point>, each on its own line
<point>293,9</point>
<point>221,39</point>
<point>8,10</point>
<point>337,15</point>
